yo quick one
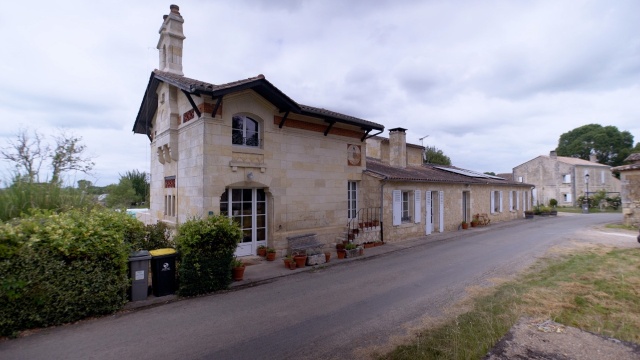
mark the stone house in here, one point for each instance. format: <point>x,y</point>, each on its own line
<point>420,199</point>
<point>630,191</point>
<point>565,178</point>
<point>279,168</point>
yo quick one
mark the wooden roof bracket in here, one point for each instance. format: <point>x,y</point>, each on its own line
<point>193,104</point>
<point>215,108</point>
<point>366,134</point>
<point>331,123</point>
<point>284,118</point>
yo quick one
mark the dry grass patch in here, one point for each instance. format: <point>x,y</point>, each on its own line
<point>594,288</point>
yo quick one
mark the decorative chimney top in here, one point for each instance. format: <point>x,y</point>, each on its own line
<point>170,42</point>
<point>397,129</point>
<point>553,154</point>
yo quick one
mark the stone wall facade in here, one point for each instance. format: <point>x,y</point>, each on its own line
<point>564,179</point>
<point>303,172</point>
<point>479,197</point>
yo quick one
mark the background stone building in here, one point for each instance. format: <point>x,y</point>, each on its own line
<point>565,178</point>
<point>418,199</point>
<point>630,191</point>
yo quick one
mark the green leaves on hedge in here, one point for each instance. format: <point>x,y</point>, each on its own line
<point>57,268</point>
<point>206,248</point>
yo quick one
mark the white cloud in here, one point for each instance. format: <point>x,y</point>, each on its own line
<point>493,83</point>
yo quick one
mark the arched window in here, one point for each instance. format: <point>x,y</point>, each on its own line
<point>245,131</point>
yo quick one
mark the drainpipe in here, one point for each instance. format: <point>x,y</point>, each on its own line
<point>383,182</point>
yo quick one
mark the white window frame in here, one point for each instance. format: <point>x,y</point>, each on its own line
<point>246,119</point>
<point>496,195</point>
<point>404,206</point>
<point>566,179</point>
<point>352,199</point>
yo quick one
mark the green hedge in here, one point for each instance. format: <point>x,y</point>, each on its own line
<point>206,248</point>
<point>57,268</point>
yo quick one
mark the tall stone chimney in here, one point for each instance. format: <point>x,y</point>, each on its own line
<point>398,147</point>
<point>170,43</point>
<point>593,158</point>
<point>553,154</point>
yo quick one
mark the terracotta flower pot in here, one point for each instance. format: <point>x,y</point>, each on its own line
<point>271,256</point>
<point>238,273</point>
<point>262,252</point>
<point>327,256</point>
<point>341,253</point>
<point>292,265</point>
<point>300,260</point>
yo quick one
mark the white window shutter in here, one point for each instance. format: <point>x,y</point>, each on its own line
<point>510,200</point>
<point>427,206</point>
<point>417,206</point>
<point>493,202</point>
<point>397,207</point>
<point>517,200</point>
<point>569,198</point>
<point>500,201</point>
<point>441,210</point>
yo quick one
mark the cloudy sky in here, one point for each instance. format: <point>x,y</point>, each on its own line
<point>493,83</point>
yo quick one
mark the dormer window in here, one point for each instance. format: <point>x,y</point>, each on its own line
<point>245,131</point>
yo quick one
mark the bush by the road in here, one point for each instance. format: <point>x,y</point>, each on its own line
<point>206,248</point>
<point>57,268</point>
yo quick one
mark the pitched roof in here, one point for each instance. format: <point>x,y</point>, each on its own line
<point>578,161</point>
<point>432,173</point>
<point>635,157</point>
<point>567,160</point>
<point>259,84</point>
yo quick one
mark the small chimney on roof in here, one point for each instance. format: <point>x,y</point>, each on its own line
<point>398,147</point>
<point>170,43</point>
<point>553,154</point>
<point>593,158</point>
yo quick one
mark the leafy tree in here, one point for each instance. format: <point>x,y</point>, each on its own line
<point>140,183</point>
<point>68,156</point>
<point>122,195</point>
<point>29,151</point>
<point>433,155</point>
<point>490,173</point>
<point>610,145</point>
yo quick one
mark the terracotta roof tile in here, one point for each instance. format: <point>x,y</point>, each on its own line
<point>429,173</point>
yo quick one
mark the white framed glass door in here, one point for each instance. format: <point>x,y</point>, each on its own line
<point>247,208</point>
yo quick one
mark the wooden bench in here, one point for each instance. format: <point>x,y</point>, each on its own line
<point>483,219</point>
<point>302,243</point>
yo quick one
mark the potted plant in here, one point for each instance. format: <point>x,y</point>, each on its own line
<point>368,244</point>
<point>528,214</point>
<point>292,265</point>
<point>300,259</point>
<point>237,269</point>
<point>352,250</point>
<point>375,223</point>
<point>465,225</point>
<point>341,252</point>
<point>271,254</point>
<point>262,250</point>
<point>476,220</point>
<point>287,259</point>
<point>327,256</point>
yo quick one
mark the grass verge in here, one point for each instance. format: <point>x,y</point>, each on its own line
<point>596,290</point>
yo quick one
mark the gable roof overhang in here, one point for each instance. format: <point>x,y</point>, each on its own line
<point>258,84</point>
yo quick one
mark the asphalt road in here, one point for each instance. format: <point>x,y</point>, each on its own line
<point>344,311</point>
